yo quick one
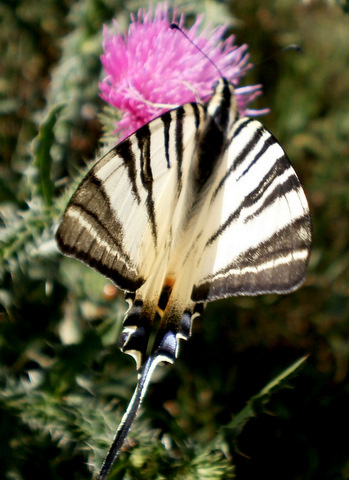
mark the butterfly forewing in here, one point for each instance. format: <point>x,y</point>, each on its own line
<point>259,236</point>
<point>119,219</point>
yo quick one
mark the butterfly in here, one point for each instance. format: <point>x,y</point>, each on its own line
<point>199,204</point>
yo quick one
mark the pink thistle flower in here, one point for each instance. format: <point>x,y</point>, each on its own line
<point>153,69</point>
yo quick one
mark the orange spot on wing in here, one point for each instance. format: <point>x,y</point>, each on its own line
<point>169,282</point>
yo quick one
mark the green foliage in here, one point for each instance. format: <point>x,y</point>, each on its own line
<point>64,384</point>
<point>42,155</point>
<point>257,403</point>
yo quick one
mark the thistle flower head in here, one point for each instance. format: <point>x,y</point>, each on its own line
<point>153,68</point>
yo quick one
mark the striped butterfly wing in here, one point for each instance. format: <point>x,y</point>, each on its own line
<point>120,221</point>
<point>119,218</point>
<point>260,230</point>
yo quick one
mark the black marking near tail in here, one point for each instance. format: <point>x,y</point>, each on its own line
<point>137,329</point>
<point>187,320</point>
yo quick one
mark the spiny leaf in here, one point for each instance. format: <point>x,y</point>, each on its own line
<point>42,153</point>
<point>257,402</point>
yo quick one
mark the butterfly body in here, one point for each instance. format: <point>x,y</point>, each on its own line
<point>197,205</point>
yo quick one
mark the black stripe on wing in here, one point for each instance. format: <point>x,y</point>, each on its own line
<point>180,113</point>
<point>276,265</point>
<point>145,146</point>
<point>124,151</point>
<point>166,119</point>
<point>143,136</point>
<point>243,123</point>
<point>91,232</point>
<point>280,189</point>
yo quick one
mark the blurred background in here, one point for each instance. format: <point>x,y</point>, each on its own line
<point>63,381</point>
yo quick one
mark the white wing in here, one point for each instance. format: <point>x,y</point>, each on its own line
<point>119,219</point>
<point>258,233</point>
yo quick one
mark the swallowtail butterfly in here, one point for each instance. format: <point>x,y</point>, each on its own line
<point>197,205</point>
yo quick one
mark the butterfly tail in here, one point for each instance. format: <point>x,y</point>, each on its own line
<point>165,349</point>
<point>129,416</point>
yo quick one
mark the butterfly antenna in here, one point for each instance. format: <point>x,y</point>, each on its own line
<point>291,46</point>
<point>129,416</point>
<point>174,26</point>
